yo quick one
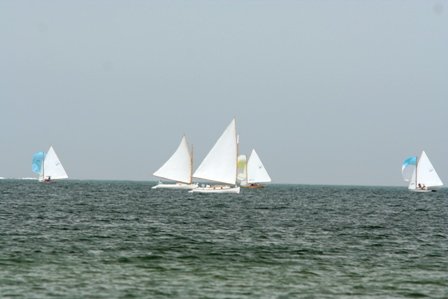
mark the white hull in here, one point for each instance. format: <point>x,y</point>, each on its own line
<point>175,186</point>
<point>46,180</point>
<point>423,190</point>
<point>216,189</point>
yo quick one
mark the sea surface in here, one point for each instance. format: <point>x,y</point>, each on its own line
<point>101,239</point>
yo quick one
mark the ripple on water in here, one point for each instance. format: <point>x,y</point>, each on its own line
<point>122,239</point>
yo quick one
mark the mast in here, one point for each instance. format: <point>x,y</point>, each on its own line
<point>237,139</point>
<point>43,168</point>
<point>245,169</point>
<point>191,164</point>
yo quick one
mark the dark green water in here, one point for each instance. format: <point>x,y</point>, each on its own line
<point>123,240</point>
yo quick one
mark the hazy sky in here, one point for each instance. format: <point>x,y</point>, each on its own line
<point>327,92</point>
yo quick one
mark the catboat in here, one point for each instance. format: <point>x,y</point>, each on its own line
<point>256,174</point>
<point>220,164</point>
<point>177,168</point>
<point>48,166</point>
<point>420,174</point>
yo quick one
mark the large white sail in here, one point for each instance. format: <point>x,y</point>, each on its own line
<point>256,173</point>
<point>424,176</point>
<point>179,166</point>
<point>220,164</point>
<point>52,168</point>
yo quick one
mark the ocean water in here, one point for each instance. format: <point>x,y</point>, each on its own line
<point>92,239</point>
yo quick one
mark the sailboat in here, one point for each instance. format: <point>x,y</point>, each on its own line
<point>48,166</point>
<point>423,177</point>
<point>256,174</point>
<point>220,164</point>
<point>178,168</point>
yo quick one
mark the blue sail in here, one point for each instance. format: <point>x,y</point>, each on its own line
<point>409,161</point>
<point>38,160</point>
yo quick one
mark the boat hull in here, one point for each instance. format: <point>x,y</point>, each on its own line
<point>216,189</point>
<point>253,186</point>
<point>46,181</point>
<point>175,186</point>
<point>422,190</point>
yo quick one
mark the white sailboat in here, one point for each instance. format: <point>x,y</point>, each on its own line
<point>220,164</point>
<point>48,166</point>
<point>256,174</point>
<point>424,177</point>
<point>178,168</point>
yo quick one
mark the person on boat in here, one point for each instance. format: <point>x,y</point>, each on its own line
<point>422,186</point>
<point>48,179</point>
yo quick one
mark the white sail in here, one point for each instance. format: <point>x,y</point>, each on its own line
<point>424,176</point>
<point>220,164</point>
<point>256,173</point>
<point>179,166</point>
<point>52,168</point>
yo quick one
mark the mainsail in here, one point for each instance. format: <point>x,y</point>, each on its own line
<point>220,164</point>
<point>424,175</point>
<point>256,173</point>
<point>53,168</point>
<point>179,166</point>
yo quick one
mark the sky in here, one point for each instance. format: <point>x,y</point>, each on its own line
<point>327,92</point>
